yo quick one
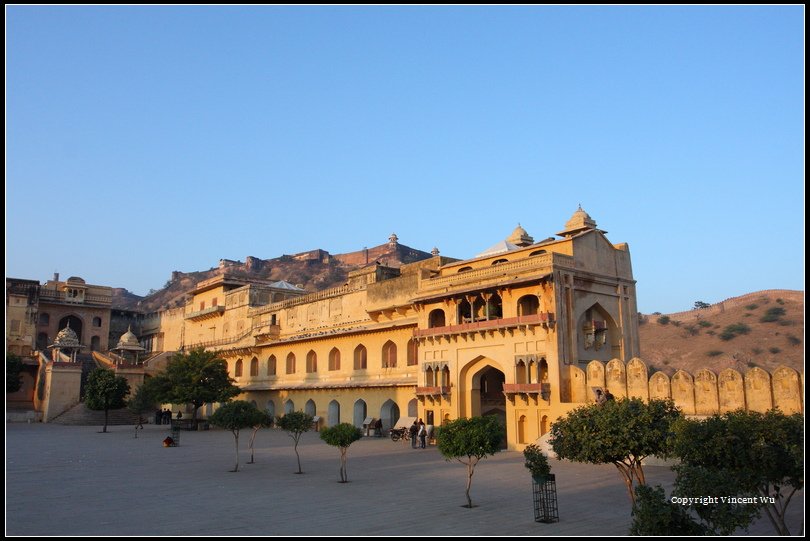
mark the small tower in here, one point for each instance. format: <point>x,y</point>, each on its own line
<point>520,237</point>
<point>129,342</point>
<point>580,221</point>
<point>67,342</point>
<point>434,252</point>
<point>393,240</point>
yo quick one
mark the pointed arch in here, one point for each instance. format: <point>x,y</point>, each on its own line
<point>291,363</point>
<point>334,360</point>
<point>312,362</point>
<point>389,355</point>
<point>271,365</point>
<point>237,371</point>
<point>413,352</point>
<point>360,357</point>
<point>254,366</point>
<point>359,412</point>
<point>310,408</point>
<point>334,413</point>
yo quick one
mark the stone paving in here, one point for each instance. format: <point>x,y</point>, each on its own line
<point>68,480</point>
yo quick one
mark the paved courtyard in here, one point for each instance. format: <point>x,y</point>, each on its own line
<point>65,480</point>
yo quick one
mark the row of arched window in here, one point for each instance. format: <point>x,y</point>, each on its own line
<point>388,359</point>
<point>485,306</point>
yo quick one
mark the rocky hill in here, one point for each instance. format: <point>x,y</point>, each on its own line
<point>764,329</point>
<point>313,270</point>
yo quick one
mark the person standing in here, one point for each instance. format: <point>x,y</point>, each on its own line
<point>413,431</point>
<point>422,434</point>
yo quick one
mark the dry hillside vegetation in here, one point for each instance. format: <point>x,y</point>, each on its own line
<point>764,329</point>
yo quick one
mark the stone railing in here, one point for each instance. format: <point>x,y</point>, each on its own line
<point>543,318</point>
<point>206,313</point>
<point>61,296</point>
<point>538,263</point>
<point>433,391</point>
<point>304,299</point>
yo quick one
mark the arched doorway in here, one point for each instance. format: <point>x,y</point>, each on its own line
<point>309,408</point>
<point>271,408</point>
<point>289,407</point>
<point>334,413</point>
<point>359,413</point>
<point>481,382</point>
<point>389,413</point>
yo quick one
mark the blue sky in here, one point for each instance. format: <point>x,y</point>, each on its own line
<point>142,140</point>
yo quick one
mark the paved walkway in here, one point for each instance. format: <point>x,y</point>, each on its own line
<point>67,480</point>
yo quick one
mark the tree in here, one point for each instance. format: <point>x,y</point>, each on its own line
<point>235,416</point>
<point>198,377</point>
<point>266,421</point>
<point>653,514</point>
<point>342,436</point>
<point>468,441</point>
<point>699,305</point>
<point>14,366</point>
<point>105,391</point>
<point>743,454</point>
<point>619,432</point>
<point>295,424</point>
<point>139,403</point>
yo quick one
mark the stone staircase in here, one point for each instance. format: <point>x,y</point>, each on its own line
<point>81,415</point>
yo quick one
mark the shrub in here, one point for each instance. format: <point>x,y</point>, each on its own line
<point>704,323</point>
<point>774,350</point>
<point>773,314</point>
<point>654,514</point>
<point>536,461</point>
<point>793,340</point>
<point>751,306</point>
<point>663,320</point>
<point>691,330</point>
<point>785,322</point>
<point>756,351</point>
<point>710,333</point>
<point>751,364</point>
<point>714,353</point>
<point>780,301</point>
<point>676,323</point>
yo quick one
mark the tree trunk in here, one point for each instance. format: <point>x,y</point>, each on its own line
<point>297,456</point>
<point>250,444</point>
<point>470,472</point>
<point>344,475</point>
<point>236,440</point>
<point>194,415</point>
<point>105,419</point>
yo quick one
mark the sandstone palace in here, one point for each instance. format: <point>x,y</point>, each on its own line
<point>523,332</point>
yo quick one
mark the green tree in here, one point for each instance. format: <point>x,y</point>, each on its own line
<point>759,455</point>
<point>295,424</point>
<point>14,366</point>
<point>653,514</point>
<point>468,441</point>
<point>139,403</point>
<point>266,421</point>
<point>105,391</point>
<point>699,305</point>
<point>621,432</point>
<point>342,436</point>
<point>235,416</point>
<point>198,377</point>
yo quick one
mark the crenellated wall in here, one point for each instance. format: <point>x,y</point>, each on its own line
<point>704,393</point>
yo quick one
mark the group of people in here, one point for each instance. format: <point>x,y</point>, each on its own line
<point>602,397</point>
<point>418,432</point>
<point>164,417</point>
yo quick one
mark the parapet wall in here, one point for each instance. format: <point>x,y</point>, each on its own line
<point>704,393</point>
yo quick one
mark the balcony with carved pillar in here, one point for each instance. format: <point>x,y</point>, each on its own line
<point>533,390</point>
